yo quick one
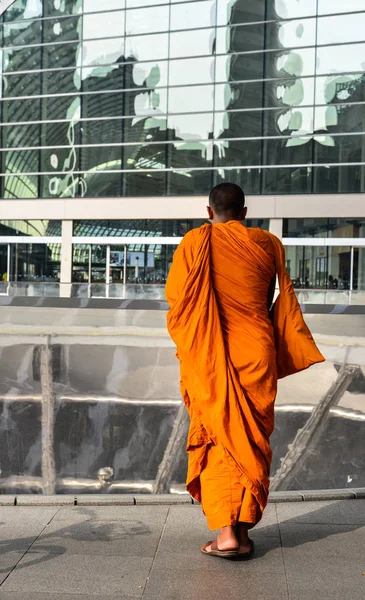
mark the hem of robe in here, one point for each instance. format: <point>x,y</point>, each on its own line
<point>193,486</point>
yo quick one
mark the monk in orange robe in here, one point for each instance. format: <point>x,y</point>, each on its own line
<point>232,350</point>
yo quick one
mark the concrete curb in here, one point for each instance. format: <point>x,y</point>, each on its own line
<point>168,499</point>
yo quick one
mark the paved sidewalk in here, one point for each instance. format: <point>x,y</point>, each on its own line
<point>305,551</point>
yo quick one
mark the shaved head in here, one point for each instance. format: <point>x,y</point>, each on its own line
<point>227,200</point>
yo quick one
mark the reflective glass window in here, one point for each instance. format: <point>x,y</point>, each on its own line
<point>341,29</point>
<point>60,55</point>
<point>191,99</point>
<point>295,92</point>
<point>319,267</point>
<point>147,20</point>
<point>339,179</point>
<point>101,52</point>
<point>288,151</point>
<point>237,152</point>
<point>144,184</point>
<point>151,156</point>
<point>21,10</point>
<point>151,128</point>
<point>21,135</point>
<point>296,63</point>
<point>97,6</point>
<point>80,263</point>
<point>340,59</point>
<point>22,33</point>
<point>236,124</point>
<point>238,67</point>
<point>191,71</point>
<point>323,228</point>
<point>191,127</point>
<point>35,263</point>
<point>337,6</point>
<point>235,96</point>
<point>339,118</point>
<point>331,149</point>
<point>61,30</point>
<point>193,15</point>
<point>287,180</point>
<point>190,154</point>
<point>241,39</point>
<point>103,25</point>
<point>294,122</point>
<point>20,110</point>
<point>239,12</point>
<point>22,59</point>
<point>193,43</point>
<point>22,85</point>
<point>60,7</point>
<point>248,179</point>
<point>339,88</point>
<point>147,47</point>
<point>192,183</point>
<point>35,228</point>
<point>287,9</point>
<point>98,184</point>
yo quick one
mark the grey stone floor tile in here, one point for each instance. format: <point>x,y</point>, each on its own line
<point>8,560</point>
<point>227,584</point>
<point>186,530</point>
<point>77,514</point>
<point>6,500</point>
<point>135,533</point>
<point>104,499</point>
<point>53,596</point>
<point>342,512</point>
<point>89,575</point>
<point>169,499</point>
<point>323,540</point>
<point>315,576</point>
<point>15,514</point>
<point>268,558</point>
<point>37,500</point>
<point>20,527</point>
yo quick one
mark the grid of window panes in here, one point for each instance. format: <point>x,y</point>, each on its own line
<point>139,98</point>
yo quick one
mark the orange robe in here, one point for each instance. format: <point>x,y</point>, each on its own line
<point>231,356</point>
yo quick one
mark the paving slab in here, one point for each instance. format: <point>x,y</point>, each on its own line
<point>52,596</point>
<point>131,532</point>
<point>20,526</point>
<point>170,499</point>
<point>37,500</point>
<point>311,495</point>
<point>6,500</point>
<point>78,514</point>
<point>8,561</point>
<point>184,550</point>
<point>321,562</point>
<point>104,500</point>
<point>238,584</point>
<point>89,575</point>
<point>342,512</point>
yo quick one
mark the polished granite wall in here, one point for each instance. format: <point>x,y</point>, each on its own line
<point>89,402</point>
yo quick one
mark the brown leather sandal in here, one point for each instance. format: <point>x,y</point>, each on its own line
<point>214,551</point>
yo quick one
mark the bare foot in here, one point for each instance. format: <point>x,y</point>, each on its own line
<point>242,530</point>
<point>226,539</point>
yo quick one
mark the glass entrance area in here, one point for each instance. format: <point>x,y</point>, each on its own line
<point>4,268</point>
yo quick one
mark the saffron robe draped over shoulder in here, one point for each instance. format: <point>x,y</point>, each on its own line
<point>231,353</point>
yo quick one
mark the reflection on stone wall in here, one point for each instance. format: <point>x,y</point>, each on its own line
<point>89,402</point>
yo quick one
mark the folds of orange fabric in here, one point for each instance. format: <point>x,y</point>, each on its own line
<point>217,290</point>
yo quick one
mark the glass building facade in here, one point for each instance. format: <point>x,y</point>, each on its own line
<point>131,98</point>
<point>134,99</point>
